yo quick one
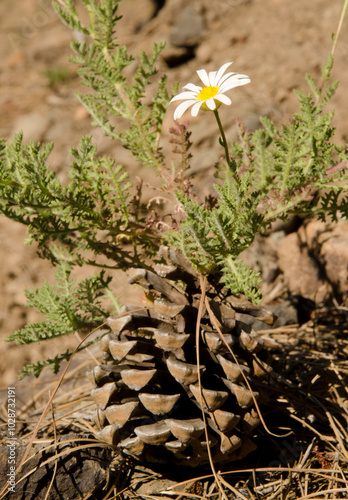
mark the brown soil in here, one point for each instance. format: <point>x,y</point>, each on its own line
<point>275,42</point>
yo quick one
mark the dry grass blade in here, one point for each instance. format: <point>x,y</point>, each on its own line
<point>49,403</point>
<point>237,493</point>
<point>309,398</point>
<point>56,462</point>
<point>203,283</point>
<point>77,398</point>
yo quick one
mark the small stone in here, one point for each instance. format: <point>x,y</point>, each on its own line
<point>204,53</point>
<point>300,271</point>
<point>189,27</point>
<point>81,114</point>
<point>334,255</point>
<point>33,125</point>
<point>157,486</point>
<point>311,232</point>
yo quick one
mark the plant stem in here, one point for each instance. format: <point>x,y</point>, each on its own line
<point>343,14</point>
<point>223,140</point>
<point>334,44</point>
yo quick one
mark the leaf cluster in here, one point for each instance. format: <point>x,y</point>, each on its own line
<point>213,238</point>
<point>294,165</point>
<point>274,172</point>
<point>98,217</point>
<point>95,212</point>
<point>68,307</point>
<point>102,62</point>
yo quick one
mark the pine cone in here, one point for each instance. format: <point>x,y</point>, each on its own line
<point>149,402</point>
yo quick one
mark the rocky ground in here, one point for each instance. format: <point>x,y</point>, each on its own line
<point>304,265</point>
<point>275,42</point>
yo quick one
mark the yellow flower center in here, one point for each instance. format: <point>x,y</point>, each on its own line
<point>207,92</point>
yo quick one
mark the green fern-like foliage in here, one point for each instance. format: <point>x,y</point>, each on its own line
<point>212,239</point>
<point>95,211</point>
<point>68,306</point>
<point>273,172</point>
<point>71,311</point>
<point>101,67</point>
<point>98,217</point>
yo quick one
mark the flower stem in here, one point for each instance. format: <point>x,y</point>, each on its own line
<point>326,74</point>
<point>343,14</point>
<point>223,140</point>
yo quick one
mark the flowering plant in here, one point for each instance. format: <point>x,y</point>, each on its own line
<point>272,173</point>
<point>100,219</point>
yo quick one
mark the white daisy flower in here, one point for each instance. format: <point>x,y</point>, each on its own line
<point>211,95</point>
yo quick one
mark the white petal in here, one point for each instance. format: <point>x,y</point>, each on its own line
<point>184,95</point>
<point>180,110</point>
<point>193,87</point>
<point>236,76</point>
<point>222,71</point>
<point>211,76</point>
<point>196,107</point>
<point>211,103</point>
<point>223,98</point>
<point>203,75</point>
<point>234,81</point>
<point>224,78</point>
<point>232,86</point>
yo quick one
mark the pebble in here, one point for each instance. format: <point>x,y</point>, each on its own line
<point>189,27</point>
<point>34,125</point>
<point>300,270</point>
<point>81,114</point>
<point>334,255</point>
